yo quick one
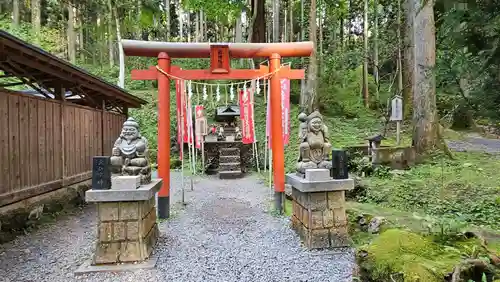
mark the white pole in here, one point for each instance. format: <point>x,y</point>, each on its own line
<point>190,141</point>
<point>182,149</point>
<point>121,78</point>
<point>398,130</point>
<point>254,149</point>
<point>271,172</point>
<point>265,155</point>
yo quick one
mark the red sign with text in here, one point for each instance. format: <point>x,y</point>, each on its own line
<point>285,112</point>
<point>182,115</point>
<point>246,116</point>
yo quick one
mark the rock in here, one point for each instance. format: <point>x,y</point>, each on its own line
<point>375,224</point>
<point>36,212</point>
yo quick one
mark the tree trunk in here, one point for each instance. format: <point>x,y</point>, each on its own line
<point>71,33</point>
<point>81,41</point>
<point>366,99</point>
<point>409,60</point>
<point>259,24</point>
<point>375,49</point>
<point>311,86</point>
<point>167,18</point>
<point>202,26</point>
<point>342,22</point>
<point>110,35</point>
<point>36,18</point>
<point>290,13</point>
<point>138,30</point>
<point>276,21</point>
<point>121,56</point>
<point>15,13</point>
<point>399,63</point>
<point>425,131</point>
<point>188,26</point>
<point>320,21</point>
<point>181,22</point>
<point>284,35</point>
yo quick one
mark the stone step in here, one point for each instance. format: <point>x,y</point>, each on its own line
<point>229,166</point>
<point>230,174</point>
<point>229,151</point>
<point>229,159</point>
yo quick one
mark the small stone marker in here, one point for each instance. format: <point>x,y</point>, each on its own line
<point>317,174</point>
<point>339,164</point>
<point>101,173</point>
<point>126,182</point>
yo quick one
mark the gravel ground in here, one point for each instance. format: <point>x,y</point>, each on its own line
<point>223,234</point>
<point>475,143</point>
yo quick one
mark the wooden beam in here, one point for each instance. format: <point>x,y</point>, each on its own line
<point>152,74</point>
<point>202,50</point>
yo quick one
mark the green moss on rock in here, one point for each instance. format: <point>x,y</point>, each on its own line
<point>414,257</point>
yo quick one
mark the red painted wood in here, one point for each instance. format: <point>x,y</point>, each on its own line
<point>243,74</point>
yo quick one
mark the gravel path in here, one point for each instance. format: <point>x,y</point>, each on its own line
<point>476,143</point>
<point>223,234</point>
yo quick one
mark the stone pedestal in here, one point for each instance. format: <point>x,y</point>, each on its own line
<point>127,229</point>
<point>319,215</point>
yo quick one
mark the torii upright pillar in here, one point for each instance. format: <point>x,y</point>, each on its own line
<point>220,55</point>
<point>164,136</point>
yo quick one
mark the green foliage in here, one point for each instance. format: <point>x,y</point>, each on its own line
<point>49,38</point>
<point>464,189</point>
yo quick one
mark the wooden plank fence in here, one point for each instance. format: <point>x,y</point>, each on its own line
<point>48,144</point>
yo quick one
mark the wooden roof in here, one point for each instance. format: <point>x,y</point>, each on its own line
<point>46,72</point>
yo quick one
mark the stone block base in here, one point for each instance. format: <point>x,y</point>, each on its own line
<point>320,218</point>
<point>127,231</point>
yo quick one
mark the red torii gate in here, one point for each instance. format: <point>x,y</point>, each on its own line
<point>220,55</point>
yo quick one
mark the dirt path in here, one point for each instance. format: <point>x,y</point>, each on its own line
<point>476,143</point>
<point>223,234</point>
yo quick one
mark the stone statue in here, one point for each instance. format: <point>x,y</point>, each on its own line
<point>130,153</point>
<point>302,126</point>
<point>220,134</point>
<point>237,134</point>
<point>315,150</point>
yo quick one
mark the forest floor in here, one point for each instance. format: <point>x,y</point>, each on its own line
<point>226,232</point>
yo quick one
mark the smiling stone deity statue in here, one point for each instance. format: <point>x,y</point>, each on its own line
<point>130,153</point>
<point>314,148</point>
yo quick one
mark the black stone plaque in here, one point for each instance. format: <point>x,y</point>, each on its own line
<point>339,164</point>
<point>101,173</point>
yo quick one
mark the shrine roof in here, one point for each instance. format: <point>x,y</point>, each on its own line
<point>202,50</point>
<point>36,68</point>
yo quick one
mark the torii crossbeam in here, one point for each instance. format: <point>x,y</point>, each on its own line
<point>220,55</point>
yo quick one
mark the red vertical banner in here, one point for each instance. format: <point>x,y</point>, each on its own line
<point>285,108</point>
<point>246,116</point>
<point>199,133</point>
<point>285,112</point>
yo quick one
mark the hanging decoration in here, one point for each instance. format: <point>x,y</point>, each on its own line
<point>257,87</point>
<point>217,93</point>
<point>205,95</point>
<point>245,94</point>
<point>231,93</point>
<point>190,89</point>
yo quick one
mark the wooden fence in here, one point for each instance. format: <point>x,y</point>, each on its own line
<point>48,144</point>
